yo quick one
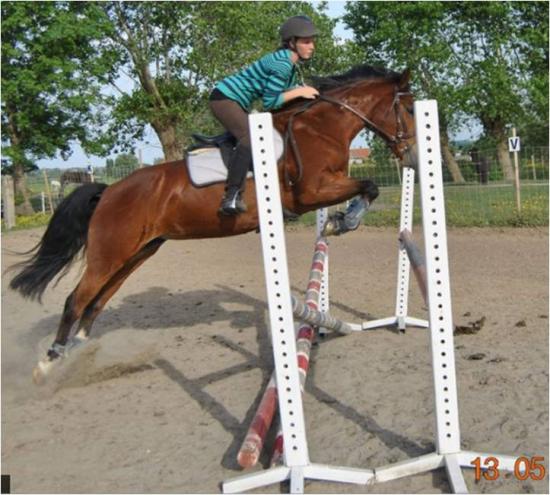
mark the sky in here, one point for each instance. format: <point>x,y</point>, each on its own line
<point>150,146</point>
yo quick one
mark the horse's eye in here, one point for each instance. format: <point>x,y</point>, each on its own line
<point>410,110</point>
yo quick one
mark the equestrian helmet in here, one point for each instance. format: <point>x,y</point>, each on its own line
<point>299,26</point>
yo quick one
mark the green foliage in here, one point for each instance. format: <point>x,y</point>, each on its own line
<point>414,35</point>
<point>122,165</point>
<point>176,51</point>
<point>23,222</point>
<point>483,59</point>
<point>27,166</point>
<point>126,160</point>
<point>51,78</point>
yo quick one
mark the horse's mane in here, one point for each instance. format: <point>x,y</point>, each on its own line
<point>355,74</point>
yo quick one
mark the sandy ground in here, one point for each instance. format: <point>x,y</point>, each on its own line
<point>161,397</point>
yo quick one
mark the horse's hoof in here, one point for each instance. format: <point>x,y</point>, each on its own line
<point>77,341</point>
<point>41,371</point>
<point>329,229</point>
<point>335,225</point>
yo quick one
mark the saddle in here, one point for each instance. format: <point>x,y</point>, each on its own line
<point>207,159</point>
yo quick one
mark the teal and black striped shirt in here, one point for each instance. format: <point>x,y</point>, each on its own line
<point>267,78</point>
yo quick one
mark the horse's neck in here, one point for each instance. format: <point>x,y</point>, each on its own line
<point>344,123</point>
<point>366,98</point>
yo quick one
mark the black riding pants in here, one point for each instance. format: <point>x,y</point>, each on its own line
<point>235,120</point>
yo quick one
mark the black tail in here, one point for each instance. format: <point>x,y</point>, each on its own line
<point>64,238</point>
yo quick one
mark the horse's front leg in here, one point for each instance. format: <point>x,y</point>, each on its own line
<point>337,189</point>
<point>341,222</point>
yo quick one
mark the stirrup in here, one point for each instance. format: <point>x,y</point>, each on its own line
<point>232,204</point>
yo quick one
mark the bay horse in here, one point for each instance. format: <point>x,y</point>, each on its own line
<point>122,225</point>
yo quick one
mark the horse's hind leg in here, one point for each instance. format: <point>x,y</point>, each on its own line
<point>90,284</point>
<point>109,289</point>
<point>87,291</point>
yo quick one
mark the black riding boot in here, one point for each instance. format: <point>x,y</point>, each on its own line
<point>232,204</point>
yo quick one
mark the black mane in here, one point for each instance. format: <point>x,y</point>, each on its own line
<point>357,73</point>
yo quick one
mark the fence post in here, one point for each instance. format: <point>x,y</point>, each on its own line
<point>534,168</point>
<point>398,166</point>
<point>48,192</point>
<point>516,175</point>
<point>8,199</point>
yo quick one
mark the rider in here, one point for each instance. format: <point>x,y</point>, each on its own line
<point>273,79</point>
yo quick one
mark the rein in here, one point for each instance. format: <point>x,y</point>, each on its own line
<point>289,135</point>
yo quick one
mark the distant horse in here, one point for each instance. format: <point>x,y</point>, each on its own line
<point>482,165</point>
<point>122,225</point>
<point>74,176</point>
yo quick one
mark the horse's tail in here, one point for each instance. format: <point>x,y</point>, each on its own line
<point>64,238</point>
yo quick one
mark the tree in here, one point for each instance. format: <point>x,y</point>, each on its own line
<point>122,165</point>
<point>415,35</point>
<point>100,72</point>
<point>9,169</point>
<point>488,60</point>
<point>504,61</point>
<point>533,53</point>
<point>50,81</point>
<point>126,161</point>
<point>175,52</point>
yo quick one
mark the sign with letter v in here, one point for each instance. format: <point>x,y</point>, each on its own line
<point>514,144</point>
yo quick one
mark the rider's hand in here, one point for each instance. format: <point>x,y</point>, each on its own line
<point>309,92</point>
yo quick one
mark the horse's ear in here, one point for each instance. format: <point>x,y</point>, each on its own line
<point>404,80</point>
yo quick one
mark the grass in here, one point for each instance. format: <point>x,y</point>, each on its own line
<point>23,222</point>
<point>465,206</point>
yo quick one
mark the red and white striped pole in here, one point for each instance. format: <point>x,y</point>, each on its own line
<point>418,263</point>
<point>306,333</point>
<point>252,446</point>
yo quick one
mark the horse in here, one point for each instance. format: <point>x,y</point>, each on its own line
<point>74,176</point>
<point>122,225</point>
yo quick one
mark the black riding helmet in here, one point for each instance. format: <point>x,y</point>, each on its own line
<point>299,26</point>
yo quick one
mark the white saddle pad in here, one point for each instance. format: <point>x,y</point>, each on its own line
<point>206,166</point>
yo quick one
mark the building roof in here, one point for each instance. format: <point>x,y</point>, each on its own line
<point>359,153</point>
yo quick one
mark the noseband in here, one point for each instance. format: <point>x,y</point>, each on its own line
<point>400,136</point>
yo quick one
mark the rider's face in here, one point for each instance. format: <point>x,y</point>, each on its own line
<point>305,47</point>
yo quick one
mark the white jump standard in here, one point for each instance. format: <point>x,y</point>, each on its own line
<point>297,466</point>
<point>448,452</point>
<point>401,318</point>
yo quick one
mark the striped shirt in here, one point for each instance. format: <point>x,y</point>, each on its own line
<point>268,78</point>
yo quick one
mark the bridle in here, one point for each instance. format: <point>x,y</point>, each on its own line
<point>401,134</point>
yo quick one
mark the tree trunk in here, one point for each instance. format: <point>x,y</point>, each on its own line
<point>171,145</point>
<point>449,159</point>
<point>17,156</point>
<point>20,185</point>
<point>496,129</point>
<point>504,159</point>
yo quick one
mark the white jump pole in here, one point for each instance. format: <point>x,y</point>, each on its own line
<point>401,318</point>
<point>324,301</point>
<point>324,297</point>
<point>448,452</point>
<point>297,467</point>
